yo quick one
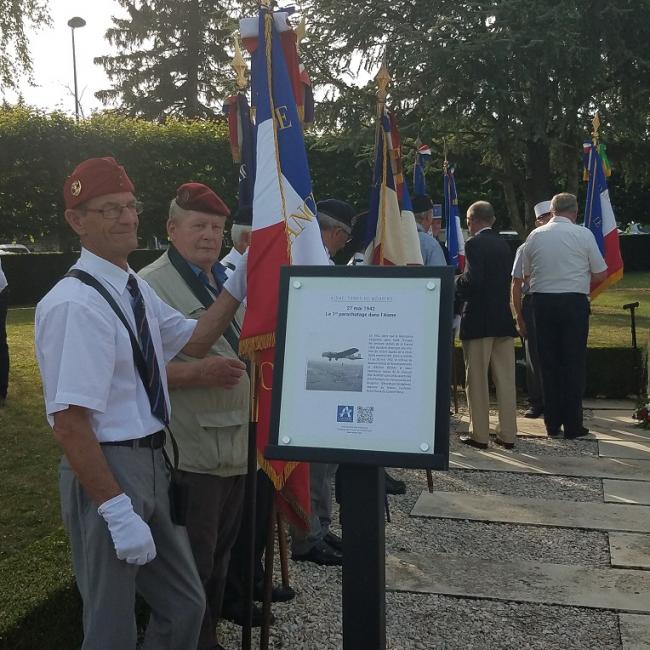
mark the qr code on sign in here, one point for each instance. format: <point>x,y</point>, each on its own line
<point>365,414</point>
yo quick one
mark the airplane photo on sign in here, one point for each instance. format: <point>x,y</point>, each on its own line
<point>350,354</point>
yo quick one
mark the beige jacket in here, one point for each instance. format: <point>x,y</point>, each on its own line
<point>210,425</point>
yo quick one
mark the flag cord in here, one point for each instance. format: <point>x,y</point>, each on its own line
<point>268,42</point>
<point>590,198</point>
<point>382,203</point>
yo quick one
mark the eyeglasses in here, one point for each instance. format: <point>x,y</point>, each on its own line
<point>348,234</point>
<point>115,210</point>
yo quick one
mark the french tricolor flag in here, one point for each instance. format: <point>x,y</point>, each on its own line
<point>391,237</point>
<point>599,218</point>
<point>285,230</point>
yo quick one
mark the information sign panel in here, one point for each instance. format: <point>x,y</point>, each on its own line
<point>362,369</point>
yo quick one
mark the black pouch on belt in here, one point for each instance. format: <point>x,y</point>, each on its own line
<point>178,491</point>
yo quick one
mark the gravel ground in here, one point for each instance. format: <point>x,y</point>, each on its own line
<point>430,622</point>
<point>534,486</point>
<point>540,446</point>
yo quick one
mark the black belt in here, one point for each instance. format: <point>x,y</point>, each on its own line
<point>152,441</point>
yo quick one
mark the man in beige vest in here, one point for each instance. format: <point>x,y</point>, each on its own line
<point>209,397</point>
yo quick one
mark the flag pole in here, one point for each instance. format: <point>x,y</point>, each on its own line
<point>382,79</point>
<point>417,144</point>
<point>248,520</point>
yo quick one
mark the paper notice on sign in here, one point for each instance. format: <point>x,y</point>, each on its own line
<point>360,366</point>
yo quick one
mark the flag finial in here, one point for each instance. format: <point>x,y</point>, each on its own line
<point>301,32</point>
<point>239,66</point>
<point>382,79</point>
<point>595,123</point>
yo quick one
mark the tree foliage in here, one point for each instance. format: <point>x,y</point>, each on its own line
<point>15,17</point>
<point>511,82</point>
<point>171,58</point>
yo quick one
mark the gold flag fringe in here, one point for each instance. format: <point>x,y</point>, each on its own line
<point>608,282</point>
<point>249,346</point>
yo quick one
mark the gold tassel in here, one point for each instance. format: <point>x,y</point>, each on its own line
<point>250,345</point>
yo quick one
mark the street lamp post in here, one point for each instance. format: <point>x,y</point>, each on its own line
<point>74,23</point>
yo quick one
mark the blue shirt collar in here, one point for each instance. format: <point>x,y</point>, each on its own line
<point>218,271</point>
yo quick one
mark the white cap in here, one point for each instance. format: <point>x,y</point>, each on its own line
<point>542,208</point>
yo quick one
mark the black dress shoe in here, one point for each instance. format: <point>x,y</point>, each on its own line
<point>334,541</point>
<point>533,413</point>
<point>466,439</point>
<point>503,443</point>
<point>236,613</point>
<point>570,435</point>
<point>554,433</point>
<point>278,594</point>
<point>322,554</point>
<point>393,485</point>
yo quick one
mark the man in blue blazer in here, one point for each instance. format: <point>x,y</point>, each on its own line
<point>487,329</point>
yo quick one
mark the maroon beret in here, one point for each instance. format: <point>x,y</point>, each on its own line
<point>199,197</point>
<point>95,177</point>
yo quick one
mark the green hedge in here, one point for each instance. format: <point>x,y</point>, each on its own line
<point>613,373</point>
<point>635,251</point>
<point>38,151</point>
<point>31,276</point>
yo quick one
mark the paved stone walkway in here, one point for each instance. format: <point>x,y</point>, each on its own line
<point>619,460</point>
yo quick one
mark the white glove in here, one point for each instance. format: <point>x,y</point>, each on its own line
<point>235,285</point>
<point>131,535</point>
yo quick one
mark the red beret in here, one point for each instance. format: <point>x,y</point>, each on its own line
<point>199,197</point>
<point>95,177</point>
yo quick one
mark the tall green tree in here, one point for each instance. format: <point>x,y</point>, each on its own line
<point>171,58</point>
<point>511,81</point>
<point>15,17</point>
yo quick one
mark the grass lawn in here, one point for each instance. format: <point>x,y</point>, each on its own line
<point>610,323</point>
<point>29,455</point>
<point>29,508</point>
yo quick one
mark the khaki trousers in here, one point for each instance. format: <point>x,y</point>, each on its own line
<point>496,354</point>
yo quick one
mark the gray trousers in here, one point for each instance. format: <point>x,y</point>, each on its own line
<point>214,515</point>
<point>533,367</point>
<point>320,485</point>
<point>169,583</point>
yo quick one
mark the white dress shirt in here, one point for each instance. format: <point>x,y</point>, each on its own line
<point>518,269</point>
<point>3,279</point>
<point>560,257</point>
<point>85,354</point>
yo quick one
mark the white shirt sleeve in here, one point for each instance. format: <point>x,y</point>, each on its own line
<point>597,263</point>
<point>175,329</point>
<point>525,260</point>
<point>518,265</point>
<point>75,347</point>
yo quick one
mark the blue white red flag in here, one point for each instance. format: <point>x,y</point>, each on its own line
<point>391,236</point>
<point>455,240</point>
<point>599,218</point>
<point>285,230</point>
<point>422,156</point>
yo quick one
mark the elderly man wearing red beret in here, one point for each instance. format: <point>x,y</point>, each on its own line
<point>209,397</point>
<point>103,338</point>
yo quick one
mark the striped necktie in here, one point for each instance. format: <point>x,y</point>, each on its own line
<point>154,384</point>
<point>234,325</point>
